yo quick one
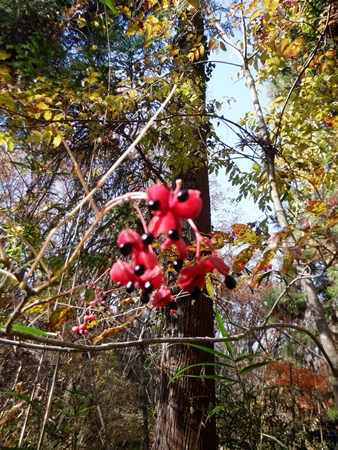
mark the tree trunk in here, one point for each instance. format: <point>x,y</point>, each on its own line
<point>312,299</point>
<point>185,402</point>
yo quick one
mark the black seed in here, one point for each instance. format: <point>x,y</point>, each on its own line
<point>174,235</point>
<point>183,195</point>
<point>173,304</point>
<point>148,287</point>
<point>139,270</point>
<point>154,205</point>
<point>130,287</point>
<point>145,297</point>
<point>125,249</point>
<point>195,293</point>
<point>178,264</point>
<point>230,282</point>
<point>147,238</point>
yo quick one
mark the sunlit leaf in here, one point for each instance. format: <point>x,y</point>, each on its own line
<point>316,207</point>
<point>31,330</point>
<point>245,233</point>
<point>38,308</point>
<point>111,6</point>
<point>287,265</point>
<point>110,332</point>
<point>57,141</point>
<point>218,239</point>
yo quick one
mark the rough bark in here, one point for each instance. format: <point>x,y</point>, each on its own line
<point>185,402</point>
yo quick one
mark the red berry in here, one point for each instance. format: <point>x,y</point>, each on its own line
<point>89,318</point>
<point>76,329</point>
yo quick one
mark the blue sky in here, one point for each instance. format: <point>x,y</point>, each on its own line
<point>225,85</point>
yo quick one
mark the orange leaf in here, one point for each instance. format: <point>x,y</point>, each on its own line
<point>319,175</point>
<point>127,301</point>
<point>317,207</point>
<point>110,332</point>
<point>331,221</point>
<point>245,233</point>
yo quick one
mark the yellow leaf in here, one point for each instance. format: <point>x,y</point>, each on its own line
<point>317,207</point>
<point>47,115</point>
<point>42,106</point>
<point>59,116</point>
<point>287,265</point>
<point>57,141</point>
<point>81,22</point>
<point>330,53</point>
<point>255,14</point>
<point>193,3</point>
<point>5,55</point>
<point>38,308</point>
<point>209,287</point>
<point>110,332</point>
<point>48,136</point>
<point>60,316</point>
<point>241,259</point>
<point>219,238</point>
<point>245,233</point>
<point>331,221</point>
<point>127,301</point>
<point>264,261</point>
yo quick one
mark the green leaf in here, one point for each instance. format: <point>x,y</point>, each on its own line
<point>210,377</point>
<point>209,350</point>
<point>26,399</point>
<point>31,330</point>
<point>275,439</point>
<point>255,366</point>
<point>111,6</point>
<point>214,411</point>
<point>224,334</point>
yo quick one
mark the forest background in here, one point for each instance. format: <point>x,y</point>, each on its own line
<point>99,101</point>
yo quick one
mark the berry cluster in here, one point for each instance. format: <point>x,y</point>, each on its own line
<point>82,328</point>
<point>144,272</point>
